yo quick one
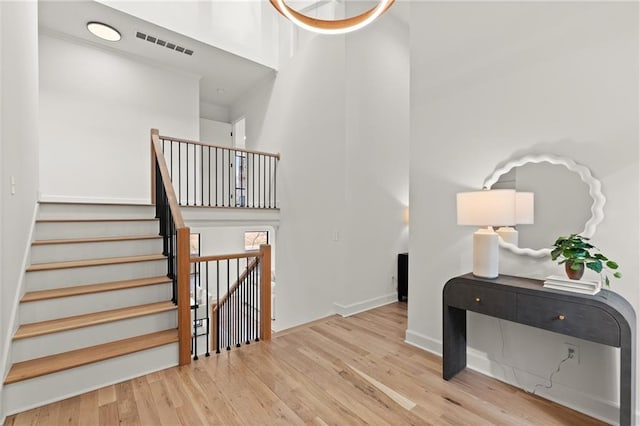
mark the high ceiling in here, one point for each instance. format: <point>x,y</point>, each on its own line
<point>225,76</point>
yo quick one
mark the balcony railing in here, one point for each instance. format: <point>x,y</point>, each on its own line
<point>206,175</point>
<point>236,291</point>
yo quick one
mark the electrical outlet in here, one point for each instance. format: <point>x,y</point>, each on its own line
<point>572,352</point>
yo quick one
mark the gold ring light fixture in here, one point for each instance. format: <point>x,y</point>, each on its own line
<point>338,26</point>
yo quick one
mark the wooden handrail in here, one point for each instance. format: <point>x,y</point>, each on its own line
<point>230,148</point>
<point>183,235</point>
<point>166,180</point>
<point>213,258</point>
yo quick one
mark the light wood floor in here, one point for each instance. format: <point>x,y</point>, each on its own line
<point>338,371</point>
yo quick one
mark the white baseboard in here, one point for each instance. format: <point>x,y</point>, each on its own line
<point>365,305</point>
<point>423,342</point>
<point>51,198</point>
<point>605,410</point>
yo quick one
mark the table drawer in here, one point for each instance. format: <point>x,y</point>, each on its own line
<point>484,300</point>
<point>573,319</point>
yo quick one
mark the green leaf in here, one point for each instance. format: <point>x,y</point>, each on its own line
<point>600,256</point>
<point>611,264</point>
<point>617,275</point>
<point>595,266</point>
<point>606,281</point>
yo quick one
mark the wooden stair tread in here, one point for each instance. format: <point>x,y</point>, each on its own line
<point>96,239</point>
<point>34,296</point>
<point>94,262</point>
<point>117,219</point>
<point>76,358</point>
<point>94,318</point>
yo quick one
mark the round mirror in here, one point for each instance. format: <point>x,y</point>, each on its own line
<point>567,198</point>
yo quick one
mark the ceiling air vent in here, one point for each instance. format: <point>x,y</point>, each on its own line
<point>163,43</point>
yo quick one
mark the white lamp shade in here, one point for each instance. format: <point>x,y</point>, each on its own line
<point>524,208</point>
<point>487,208</point>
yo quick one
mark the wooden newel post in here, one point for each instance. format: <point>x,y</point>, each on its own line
<point>184,300</point>
<point>213,330</point>
<point>156,133</point>
<point>265,292</point>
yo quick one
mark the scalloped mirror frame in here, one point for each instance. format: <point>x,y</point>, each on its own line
<point>597,207</point>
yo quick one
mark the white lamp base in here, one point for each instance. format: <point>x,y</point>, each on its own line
<point>485,253</point>
<point>508,235</point>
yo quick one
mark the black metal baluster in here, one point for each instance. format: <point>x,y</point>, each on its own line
<point>247,281</point>
<point>201,176</point>
<point>225,175</point>
<point>239,308</point>
<point>195,308</point>
<point>228,311</point>
<point>216,174</point>
<point>264,180</point>
<point>209,170</point>
<point>208,305</point>
<point>269,181</point>
<point>218,316</point>
<point>259,174</point>
<point>186,175</point>
<point>230,162</point>
<point>179,175</point>
<point>256,299</point>
<point>275,182</point>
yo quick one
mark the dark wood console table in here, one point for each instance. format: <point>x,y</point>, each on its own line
<point>605,318</point>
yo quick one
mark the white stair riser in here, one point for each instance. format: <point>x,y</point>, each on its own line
<point>47,253</point>
<point>77,305</point>
<point>42,390</point>
<point>50,344</point>
<point>58,278</point>
<point>94,211</point>
<point>60,230</point>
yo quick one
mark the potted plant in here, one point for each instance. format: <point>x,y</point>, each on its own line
<point>575,252</point>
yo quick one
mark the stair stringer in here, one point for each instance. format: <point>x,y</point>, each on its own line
<point>38,391</point>
<point>14,320</point>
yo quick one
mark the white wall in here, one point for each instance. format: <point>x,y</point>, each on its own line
<point>19,156</point>
<point>246,28</point>
<point>337,113</point>
<point>490,80</point>
<point>377,163</point>
<point>302,115</point>
<point>96,111</point>
<point>215,132</point>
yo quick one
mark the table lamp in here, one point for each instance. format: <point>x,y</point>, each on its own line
<point>486,209</point>
<point>524,216</point>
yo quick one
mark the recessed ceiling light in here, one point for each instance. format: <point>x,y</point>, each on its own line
<point>104,31</point>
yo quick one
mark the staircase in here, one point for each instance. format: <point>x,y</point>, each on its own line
<point>97,308</point>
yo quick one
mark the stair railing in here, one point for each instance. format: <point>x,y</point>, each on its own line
<point>239,289</point>
<point>175,242</point>
<point>207,175</point>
